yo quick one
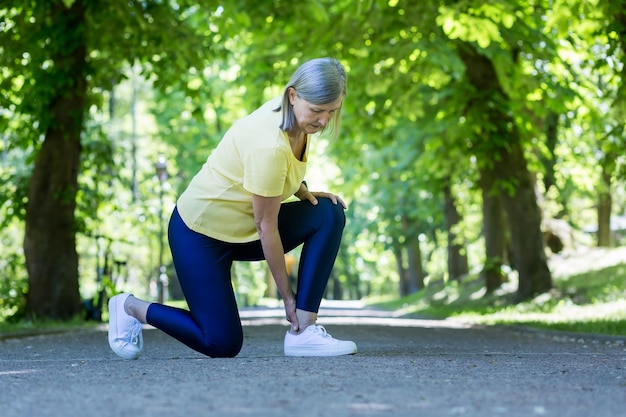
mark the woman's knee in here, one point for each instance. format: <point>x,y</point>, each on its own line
<point>334,213</point>
<point>227,351</point>
<point>223,346</point>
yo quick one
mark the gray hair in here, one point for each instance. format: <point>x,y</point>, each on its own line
<point>318,81</point>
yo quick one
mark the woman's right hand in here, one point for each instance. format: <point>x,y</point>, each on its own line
<point>290,313</point>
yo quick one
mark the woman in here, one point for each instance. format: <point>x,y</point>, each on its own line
<point>233,210</point>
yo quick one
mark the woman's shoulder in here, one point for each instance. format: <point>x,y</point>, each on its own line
<point>261,126</point>
<point>267,111</point>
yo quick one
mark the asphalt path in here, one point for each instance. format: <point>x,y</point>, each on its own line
<point>404,367</point>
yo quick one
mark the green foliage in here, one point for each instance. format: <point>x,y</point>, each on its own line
<point>13,279</point>
<point>592,301</point>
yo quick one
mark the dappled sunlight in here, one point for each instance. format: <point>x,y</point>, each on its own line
<point>591,301</point>
<point>585,259</point>
<point>477,295</point>
<point>442,295</point>
<point>569,312</point>
<point>508,287</point>
<point>566,315</point>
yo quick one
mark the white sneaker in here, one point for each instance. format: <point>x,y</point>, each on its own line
<point>315,341</point>
<point>125,337</point>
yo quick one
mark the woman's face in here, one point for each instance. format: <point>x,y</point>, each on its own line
<point>311,118</point>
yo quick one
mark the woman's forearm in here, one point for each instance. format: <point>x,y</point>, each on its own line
<point>275,258</point>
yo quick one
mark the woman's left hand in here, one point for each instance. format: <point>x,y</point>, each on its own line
<point>332,197</point>
<point>305,194</point>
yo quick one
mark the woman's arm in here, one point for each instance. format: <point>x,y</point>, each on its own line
<point>266,219</point>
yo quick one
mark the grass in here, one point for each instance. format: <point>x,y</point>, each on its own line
<point>588,302</point>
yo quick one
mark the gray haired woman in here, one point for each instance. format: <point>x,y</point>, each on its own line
<point>234,209</point>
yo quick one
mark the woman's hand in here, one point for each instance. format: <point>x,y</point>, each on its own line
<point>304,194</point>
<point>332,197</point>
<point>290,313</point>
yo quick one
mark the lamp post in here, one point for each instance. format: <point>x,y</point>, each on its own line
<point>162,280</point>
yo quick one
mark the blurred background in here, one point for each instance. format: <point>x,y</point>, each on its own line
<point>480,141</point>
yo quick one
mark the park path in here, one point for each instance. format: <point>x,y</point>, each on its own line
<point>405,367</point>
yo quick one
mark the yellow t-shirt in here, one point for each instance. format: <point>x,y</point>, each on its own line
<point>253,157</point>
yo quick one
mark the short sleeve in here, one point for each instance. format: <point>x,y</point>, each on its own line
<point>265,171</point>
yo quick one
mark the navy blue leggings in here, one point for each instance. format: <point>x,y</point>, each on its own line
<point>212,325</point>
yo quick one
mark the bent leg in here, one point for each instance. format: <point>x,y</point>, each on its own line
<point>320,228</point>
<point>212,325</point>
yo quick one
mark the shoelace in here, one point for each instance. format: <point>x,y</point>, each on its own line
<point>321,331</point>
<point>135,333</point>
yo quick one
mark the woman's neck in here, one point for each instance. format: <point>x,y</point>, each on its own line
<point>296,135</point>
<point>298,145</point>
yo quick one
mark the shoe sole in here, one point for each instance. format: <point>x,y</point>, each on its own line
<point>312,353</point>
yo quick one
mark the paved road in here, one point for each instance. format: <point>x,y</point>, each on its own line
<point>405,367</point>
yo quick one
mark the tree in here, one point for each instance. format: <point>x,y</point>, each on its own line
<point>59,57</point>
<point>457,256</point>
<point>50,235</point>
<point>614,142</point>
<point>494,232</point>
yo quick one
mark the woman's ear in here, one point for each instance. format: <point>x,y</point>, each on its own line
<point>293,94</point>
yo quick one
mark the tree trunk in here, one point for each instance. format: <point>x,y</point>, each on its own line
<point>415,272</point>
<point>457,256</point>
<point>500,147</point>
<point>493,232</point>
<point>605,204</point>
<point>524,220</point>
<point>403,284</point>
<point>552,138</point>
<point>337,288</point>
<point>49,240</point>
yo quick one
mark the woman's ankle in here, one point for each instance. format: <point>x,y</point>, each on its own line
<point>305,319</point>
<point>136,308</point>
